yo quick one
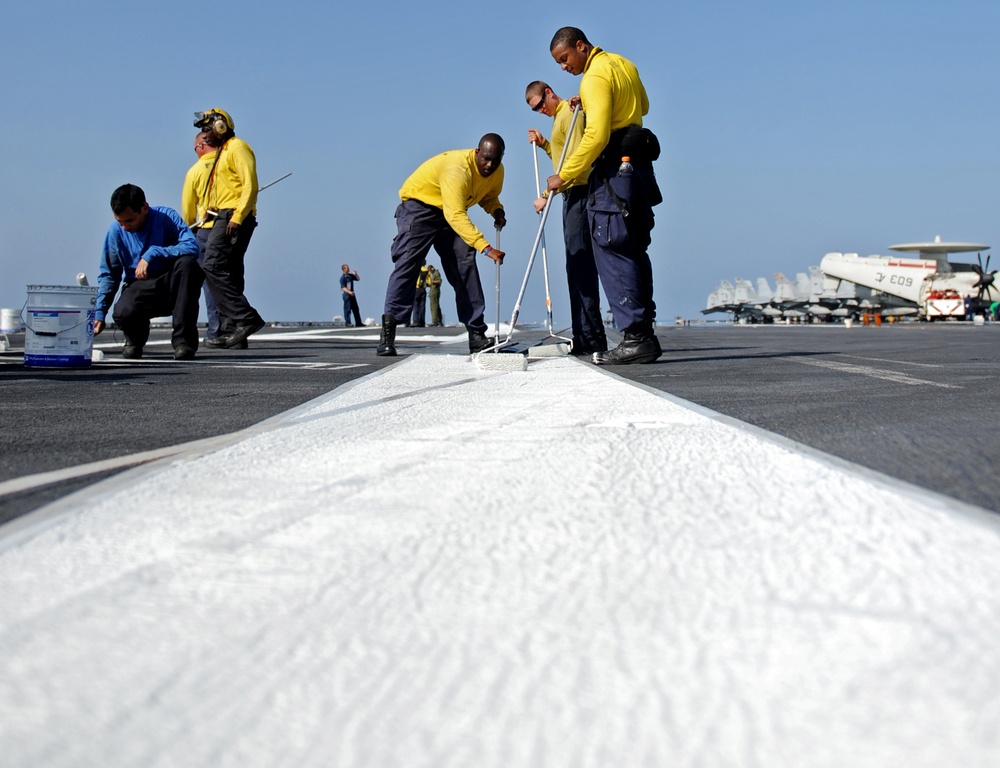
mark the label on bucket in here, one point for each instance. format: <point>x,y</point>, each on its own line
<point>59,338</point>
<point>49,323</point>
<point>56,361</point>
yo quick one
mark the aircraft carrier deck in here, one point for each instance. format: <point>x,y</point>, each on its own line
<point>778,545</point>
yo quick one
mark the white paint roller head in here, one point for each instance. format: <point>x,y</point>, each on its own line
<point>500,361</point>
<point>548,350</point>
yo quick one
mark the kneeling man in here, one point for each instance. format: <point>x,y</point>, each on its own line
<point>155,254</point>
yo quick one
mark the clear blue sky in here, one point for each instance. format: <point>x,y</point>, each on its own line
<point>789,129</point>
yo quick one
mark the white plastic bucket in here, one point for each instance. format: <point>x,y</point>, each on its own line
<point>59,326</point>
<point>10,321</point>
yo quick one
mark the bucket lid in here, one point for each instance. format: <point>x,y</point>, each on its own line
<point>62,288</point>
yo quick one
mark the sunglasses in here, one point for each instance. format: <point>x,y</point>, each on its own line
<point>539,105</point>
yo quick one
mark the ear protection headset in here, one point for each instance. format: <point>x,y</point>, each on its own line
<point>219,125</point>
<point>215,120</point>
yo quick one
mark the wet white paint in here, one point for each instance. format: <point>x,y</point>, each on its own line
<point>441,566</point>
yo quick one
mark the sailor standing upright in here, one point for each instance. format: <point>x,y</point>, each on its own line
<point>581,271</point>
<point>231,198</point>
<point>621,193</point>
<point>193,212</point>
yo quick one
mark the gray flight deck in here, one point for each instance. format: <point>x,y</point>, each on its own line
<point>776,546</point>
<point>914,401</point>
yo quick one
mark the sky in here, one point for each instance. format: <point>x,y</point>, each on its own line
<point>788,129</point>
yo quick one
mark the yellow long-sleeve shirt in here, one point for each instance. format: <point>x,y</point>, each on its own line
<point>554,147</point>
<point>235,183</point>
<point>613,97</point>
<point>450,181</point>
<point>192,204</point>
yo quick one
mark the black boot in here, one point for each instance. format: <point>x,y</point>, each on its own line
<point>478,341</point>
<point>387,341</point>
<point>639,345</point>
<point>586,347</point>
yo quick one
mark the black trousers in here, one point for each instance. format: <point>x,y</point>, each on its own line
<point>419,318</point>
<point>224,272</point>
<point>174,293</point>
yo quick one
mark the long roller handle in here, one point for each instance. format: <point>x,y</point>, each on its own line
<point>541,230</point>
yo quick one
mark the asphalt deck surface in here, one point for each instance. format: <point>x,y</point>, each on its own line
<point>455,561</point>
<point>910,400</point>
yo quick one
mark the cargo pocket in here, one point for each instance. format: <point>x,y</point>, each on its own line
<point>608,207</point>
<point>404,222</point>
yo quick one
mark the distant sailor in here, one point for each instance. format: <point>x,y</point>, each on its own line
<point>419,318</point>
<point>434,212</point>
<point>153,252</point>
<point>434,295</point>
<point>347,278</point>
<point>621,195</point>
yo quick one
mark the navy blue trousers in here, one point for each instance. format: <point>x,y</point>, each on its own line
<point>620,210</point>
<point>351,308</point>
<point>581,272</point>
<point>418,227</point>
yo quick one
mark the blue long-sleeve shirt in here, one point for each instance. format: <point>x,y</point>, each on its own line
<point>164,238</point>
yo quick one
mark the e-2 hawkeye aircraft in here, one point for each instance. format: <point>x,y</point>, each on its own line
<point>928,285</point>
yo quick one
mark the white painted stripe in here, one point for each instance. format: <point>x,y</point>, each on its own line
<point>487,564</point>
<point>40,479</point>
<point>875,373</point>
<point>284,364</point>
<point>892,362</point>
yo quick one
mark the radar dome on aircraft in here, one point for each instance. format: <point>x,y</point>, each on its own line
<point>938,249</point>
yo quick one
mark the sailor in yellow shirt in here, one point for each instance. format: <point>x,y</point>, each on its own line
<point>230,198</point>
<point>193,212</point>
<point>192,204</point>
<point>621,193</point>
<point>581,271</point>
<point>419,319</point>
<point>434,212</point>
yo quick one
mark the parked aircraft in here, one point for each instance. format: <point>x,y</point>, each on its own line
<point>906,285</point>
<point>806,297</point>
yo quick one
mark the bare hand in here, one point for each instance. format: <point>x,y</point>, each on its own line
<point>574,101</point>
<point>539,204</point>
<point>535,137</point>
<point>554,182</point>
<point>98,327</point>
<point>496,254</point>
<point>232,228</point>
<point>142,270</point>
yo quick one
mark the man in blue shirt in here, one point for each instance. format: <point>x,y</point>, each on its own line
<point>347,278</point>
<point>155,254</point>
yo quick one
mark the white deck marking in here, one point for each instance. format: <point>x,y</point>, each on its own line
<point>436,565</point>
<point>875,373</point>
